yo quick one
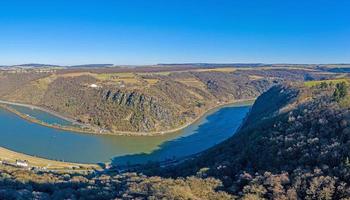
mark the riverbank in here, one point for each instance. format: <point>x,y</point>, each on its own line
<point>39,108</point>
<point>33,139</point>
<point>83,128</point>
<point>79,128</point>
<point>9,156</point>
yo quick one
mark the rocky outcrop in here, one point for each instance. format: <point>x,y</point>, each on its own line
<point>145,112</point>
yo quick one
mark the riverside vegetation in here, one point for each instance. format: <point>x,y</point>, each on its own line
<point>294,144</point>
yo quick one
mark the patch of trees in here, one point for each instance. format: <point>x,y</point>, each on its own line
<point>21,184</point>
<point>301,152</point>
<point>340,92</point>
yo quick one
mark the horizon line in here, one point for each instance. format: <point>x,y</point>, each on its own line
<point>180,63</point>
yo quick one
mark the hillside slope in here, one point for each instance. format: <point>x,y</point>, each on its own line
<point>138,101</point>
<point>295,146</point>
<point>295,143</point>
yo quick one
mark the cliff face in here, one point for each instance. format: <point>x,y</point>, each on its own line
<point>295,146</point>
<point>272,102</point>
<point>110,107</point>
<point>142,111</point>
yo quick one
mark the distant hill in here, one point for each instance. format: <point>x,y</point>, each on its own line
<point>92,65</point>
<point>213,64</point>
<point>39,65</point>
<point>33,65</point>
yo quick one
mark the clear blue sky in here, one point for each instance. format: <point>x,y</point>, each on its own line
<point>148,32</point>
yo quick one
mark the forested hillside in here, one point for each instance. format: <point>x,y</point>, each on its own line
<point>142,100</point>
<point>294,144</point>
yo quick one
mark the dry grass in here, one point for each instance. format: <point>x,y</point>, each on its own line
<point>151,81</point>
<point>223,69</point>
<point>126,78</point>
<point>195,94</point>
<point>158,73</point>
<point>43,83</point>
<point>254,77</point>
<point>108,76</point>
<point>11,156</point>
<point>334,81</point>
<point>76,74</point>
<point>191,82</point>
<point>32,92</point>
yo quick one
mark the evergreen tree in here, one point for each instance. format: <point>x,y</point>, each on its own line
<point>340,91</point>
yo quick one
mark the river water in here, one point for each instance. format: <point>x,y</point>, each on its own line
<point>22,136</point>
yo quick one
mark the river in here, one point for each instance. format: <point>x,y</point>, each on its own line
<point>26,137</point>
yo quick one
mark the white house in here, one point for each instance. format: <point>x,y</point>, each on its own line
<point>94,86</point>
<point>22,163</point>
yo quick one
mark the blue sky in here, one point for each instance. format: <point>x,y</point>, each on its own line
<point>149,32</point>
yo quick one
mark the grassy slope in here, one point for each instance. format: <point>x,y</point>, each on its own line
<point>11,156</point>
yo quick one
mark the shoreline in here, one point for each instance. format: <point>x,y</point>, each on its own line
<point>98,131</point>
<point>46,164</point>
<point>36,121</point>
<point>10,156</point>
<point>39,108</point>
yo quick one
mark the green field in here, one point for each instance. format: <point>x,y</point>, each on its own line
<point>334,81</point>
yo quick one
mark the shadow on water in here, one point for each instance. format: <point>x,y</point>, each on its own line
<point>214,129</point>
<point>33,139</point>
